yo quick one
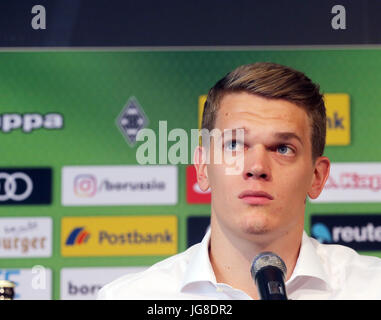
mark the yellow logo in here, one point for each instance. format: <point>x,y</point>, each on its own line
<point>201,103</point>
<point>118,236</point>
<point>338,118</point>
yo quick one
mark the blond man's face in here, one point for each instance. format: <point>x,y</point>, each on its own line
<point>277,160</point>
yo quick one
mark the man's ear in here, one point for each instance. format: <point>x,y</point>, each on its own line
<point>201,168</point>
<point>321,173</point>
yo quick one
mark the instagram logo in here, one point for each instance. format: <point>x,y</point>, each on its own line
<point>85,185</point>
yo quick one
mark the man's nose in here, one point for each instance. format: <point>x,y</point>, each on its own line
<point>257,163</point>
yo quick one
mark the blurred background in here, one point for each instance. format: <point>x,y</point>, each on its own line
<point>79,79</point>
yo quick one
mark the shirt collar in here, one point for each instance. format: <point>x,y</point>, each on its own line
<point>309,263</point>
<point>199,268</point>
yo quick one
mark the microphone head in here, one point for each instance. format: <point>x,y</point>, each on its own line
<point>267,259</point>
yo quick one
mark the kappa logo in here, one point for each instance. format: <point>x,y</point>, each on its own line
<point>30,121</point>
<point>77,236</point>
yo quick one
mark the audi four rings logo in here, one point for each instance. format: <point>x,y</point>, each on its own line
<point>10,185</point>
<point>25,186</point>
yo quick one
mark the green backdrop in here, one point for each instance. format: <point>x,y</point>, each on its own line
<point>90,88</point>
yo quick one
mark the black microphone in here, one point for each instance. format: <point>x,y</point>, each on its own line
<point>268,271</point>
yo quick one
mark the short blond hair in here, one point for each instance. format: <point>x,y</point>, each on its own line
<point>272,81</point>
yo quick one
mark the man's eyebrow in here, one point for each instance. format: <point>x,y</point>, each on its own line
<point>279,135</point>
<point>233,131</point>
<point>288,136</point>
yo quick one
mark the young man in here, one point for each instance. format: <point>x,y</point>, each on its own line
<point>261,208</point>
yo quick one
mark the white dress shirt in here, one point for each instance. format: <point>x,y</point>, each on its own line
<point>321,272</point>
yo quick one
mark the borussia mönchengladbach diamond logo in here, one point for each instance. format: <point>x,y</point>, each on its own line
<point>131,120</point>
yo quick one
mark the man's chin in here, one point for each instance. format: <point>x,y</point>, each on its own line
<point>256,230</point>
<point>257,225</point>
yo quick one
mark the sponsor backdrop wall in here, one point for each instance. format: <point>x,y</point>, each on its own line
<point>76,208</point>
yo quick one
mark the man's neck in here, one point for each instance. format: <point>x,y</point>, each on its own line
<point>231,256</point>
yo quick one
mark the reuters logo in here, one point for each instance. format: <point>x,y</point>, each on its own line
<point>16,186</point>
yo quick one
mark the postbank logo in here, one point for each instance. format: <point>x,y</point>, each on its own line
<point>338,118</point>
<point>77,236</point>
<point>119,236</point>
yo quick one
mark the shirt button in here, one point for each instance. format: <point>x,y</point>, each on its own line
<point>219,289</point>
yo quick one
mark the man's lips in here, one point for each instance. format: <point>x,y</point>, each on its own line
<point>255,197</point>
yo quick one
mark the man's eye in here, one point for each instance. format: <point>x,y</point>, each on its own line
<point>233,145</point>
<point>283,149</point>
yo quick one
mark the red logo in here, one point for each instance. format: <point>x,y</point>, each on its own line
<point>194,193</point>
<point>353,180</point>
